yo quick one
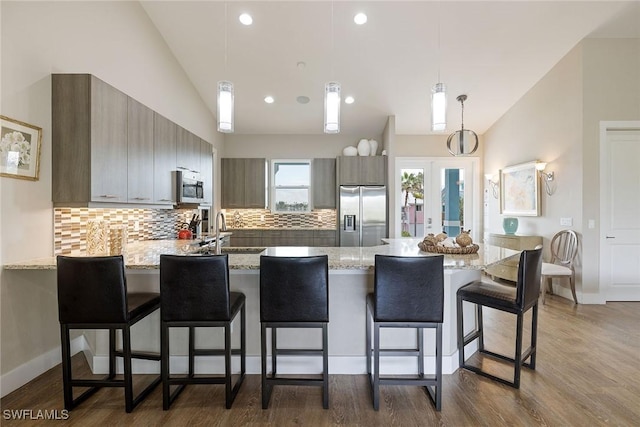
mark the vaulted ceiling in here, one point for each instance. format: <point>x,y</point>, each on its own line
<point>493,51</point>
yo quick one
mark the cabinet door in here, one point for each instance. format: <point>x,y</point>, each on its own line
<point>232,183</point>
<point>108,143</point>
<point>164,159</point>
<point>324,183</point>
<point>188,151</point>
<point>206,172</point>
<point>349,170</point>
<point>373,170</point>
<point>324,238</point>
<point>255,183</point>
<point>140,153</point>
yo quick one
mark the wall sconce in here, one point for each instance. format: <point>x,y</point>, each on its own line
<point>494,185</point>
<point>547,177</point>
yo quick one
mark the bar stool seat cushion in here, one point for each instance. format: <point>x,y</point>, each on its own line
<point>490,294</point>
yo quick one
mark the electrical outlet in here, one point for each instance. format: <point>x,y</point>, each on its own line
<point>261,218</point>
<point>567,222</point>
<point>136,226</point>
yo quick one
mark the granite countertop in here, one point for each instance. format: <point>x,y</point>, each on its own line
<point>146,255</point>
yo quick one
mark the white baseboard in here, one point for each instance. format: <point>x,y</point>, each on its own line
<point>338,365</point>
<point>24,373</point>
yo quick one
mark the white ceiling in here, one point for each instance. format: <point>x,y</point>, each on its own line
<point>493,51</point>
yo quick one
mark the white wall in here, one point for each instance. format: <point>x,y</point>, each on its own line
<point>115,41</point>
<point>557,121</point>
<point>611,92</point>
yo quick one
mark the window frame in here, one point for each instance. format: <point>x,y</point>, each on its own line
<point>273,187</point>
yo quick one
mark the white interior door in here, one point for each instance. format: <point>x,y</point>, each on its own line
<point>620,215</point>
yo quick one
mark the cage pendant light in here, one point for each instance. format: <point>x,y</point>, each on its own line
<point>332,97</point>
<point>225,92</point>
<point>462,142</point>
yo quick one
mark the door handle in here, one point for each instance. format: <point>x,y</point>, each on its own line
<point>610,237</point>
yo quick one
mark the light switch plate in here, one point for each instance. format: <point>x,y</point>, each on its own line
<point>567,222</point>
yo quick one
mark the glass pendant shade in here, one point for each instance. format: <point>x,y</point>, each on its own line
<point>225,107</point>
<point>438,107</point>
<point>332,107</point>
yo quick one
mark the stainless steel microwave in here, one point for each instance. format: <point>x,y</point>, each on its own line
<point>188,186</point>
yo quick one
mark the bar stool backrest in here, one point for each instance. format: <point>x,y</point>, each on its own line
<point>91,290</point>
<point>409,289</point>
<point>294,289</point>
<point>194,288</point>
<point>529,274</point>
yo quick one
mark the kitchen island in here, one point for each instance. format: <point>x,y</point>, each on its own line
<point>350,279</point>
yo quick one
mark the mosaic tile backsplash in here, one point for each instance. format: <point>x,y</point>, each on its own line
<point>70,224</point>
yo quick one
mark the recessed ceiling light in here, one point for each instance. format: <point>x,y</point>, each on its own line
<point>303,99</point>
<point>246,19</point>
<point>349,100</point>
<point>360,18</point>
<point>269,99</point>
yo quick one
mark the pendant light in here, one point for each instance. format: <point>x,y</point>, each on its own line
<point>225,92</point>
<point>438,98</point>
<point>332,97</point>
<point>462,142</point>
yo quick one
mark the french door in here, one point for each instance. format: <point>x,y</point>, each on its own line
<point>437,195</point>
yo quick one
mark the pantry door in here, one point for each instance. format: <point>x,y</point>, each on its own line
<point>620,213</point>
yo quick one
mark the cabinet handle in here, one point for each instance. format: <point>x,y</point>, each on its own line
<point>166,200</point>
<point>141,198</point>
<point>610,237</point>
<point>109,196</point>
<point>182,167</point>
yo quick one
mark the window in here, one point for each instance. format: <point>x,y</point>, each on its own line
<point>290,185</point>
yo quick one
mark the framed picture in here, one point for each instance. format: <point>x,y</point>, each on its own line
<point>19,149</point>
<point>520,190</point>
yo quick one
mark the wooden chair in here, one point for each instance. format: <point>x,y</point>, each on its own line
<point>564,247</point>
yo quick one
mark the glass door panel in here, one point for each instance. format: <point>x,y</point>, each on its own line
<point>412,202</point>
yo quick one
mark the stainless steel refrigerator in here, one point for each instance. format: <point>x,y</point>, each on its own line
<point>362,215</point>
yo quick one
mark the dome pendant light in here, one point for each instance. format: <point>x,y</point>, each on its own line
<point>463,142</point>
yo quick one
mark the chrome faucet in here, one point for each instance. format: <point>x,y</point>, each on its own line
<point>219,215</point>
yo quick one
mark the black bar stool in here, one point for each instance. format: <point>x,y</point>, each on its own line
<point>294,293</point>
<point>92,294</point>
<point>516,300</point>
<point>194,292</point>
<point>408,293</point>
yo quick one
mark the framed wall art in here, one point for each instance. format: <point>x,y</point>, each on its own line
<point>19,149</point>
<point>520,190</point>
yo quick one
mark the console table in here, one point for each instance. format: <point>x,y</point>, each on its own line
<point>508,268</point>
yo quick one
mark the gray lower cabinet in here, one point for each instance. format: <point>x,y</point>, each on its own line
<point>243,183</point>
<point>164,159</point>
<point>324,238</point>
<point>280,237</point>
<point>323,183</point>
<point>140,153</point>
<point>89,139</point>
<point>362,170</point>
<point>246,238</point>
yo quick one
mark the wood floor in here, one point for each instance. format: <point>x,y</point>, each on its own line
<point>588,374</point>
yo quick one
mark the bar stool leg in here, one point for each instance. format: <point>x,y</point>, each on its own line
<point>325,367</point>
<point>66,367</point>
<point>128,379</point>
<point>534,337</point>
<point>376,366</point>
<point>243,341</point>
<point>192,351</point>
<point>438,397</point>
<point>274,351</point>
<point>164,362</point>
<point>112,353</point>
<point>266,392</point>
<point>480,324</point>
<point>227,365</point>
<point>420,338</point>
<point>460,325</point>
<point>518,356</point>
<point>368,339</point>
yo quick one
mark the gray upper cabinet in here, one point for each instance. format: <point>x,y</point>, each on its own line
<point>188,151</point>
<point>323,172</point>
<point>164,159</point>
<point>362,170</point>
<point>140,153</point>
<point>206,171</point>
<point>243,183</point>
<point>89,139</point>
